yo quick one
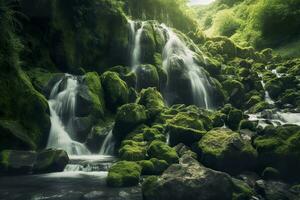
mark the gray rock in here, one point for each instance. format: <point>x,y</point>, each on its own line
<point>189,180</point>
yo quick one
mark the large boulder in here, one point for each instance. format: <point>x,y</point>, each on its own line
<point>25,162</point>
<point>152,100</point>
<point>188,180</point>
<point>185,128</point>
<point>147,76</point>
<point>235,92</point>
<point>24,107</point>
<point>124,174</point>
<point>17,162</point>
<point>160,150</point>
<point>90,105</point>
<point>223,149</point>
<point>51,160</point>
<point>116,90</point>
<point>279,148</point>
<point>128,117</point>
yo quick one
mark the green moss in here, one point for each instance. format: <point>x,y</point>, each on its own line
<point>223,149</point>
<point>115,89</point>
<point>278,148</point>
<point>96,93</point>
<point>151,134</point>
<point>185,128</point>
<point>132,151</point>
<point>147,76</point>
<point>246,124</point>
<point>128,117</point>
<point>152,100</point>
<point>259,107</point>
<point>241,190</point>
<point>253,101</point>
<point>162,151</point>
<point>149,186</point>
<point>235,91</point>
<point>124,174</point>
<point>233,119</point>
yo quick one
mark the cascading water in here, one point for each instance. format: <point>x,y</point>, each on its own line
<point>267,95</point>
<point>174,47</point>
<point>108,145</point>
<point>62,105</point>
<point>199,82</point>
<point>136,34</point>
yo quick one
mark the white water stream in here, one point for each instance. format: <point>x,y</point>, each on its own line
<point>174,48</point>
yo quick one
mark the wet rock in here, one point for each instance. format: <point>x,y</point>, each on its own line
<point>51,160</point>
<point>115,89</point>
<point>185,128</point>
<point>128,117</point>
<point>160,150</point>
<point>188,180</point>
<point>147,76</point>
<point>17,162</point>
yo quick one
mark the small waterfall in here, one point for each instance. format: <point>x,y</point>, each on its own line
<point>199,82</point>
<point>62,105</point>
<point>108,145</point>
<point>136,35</point>
<point>267,95</point>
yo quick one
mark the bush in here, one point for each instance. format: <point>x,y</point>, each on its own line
<point>225,23</point>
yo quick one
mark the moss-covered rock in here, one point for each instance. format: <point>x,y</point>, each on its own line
<point>162,151</point>
<point>115,89</point>
<point>153,133</point>
<point>153,166</point>
<point>133,151</point>
<point>246,124</point>
<point>22,103</point>
<point>152,100</point>
<point>233,119</point>
<point>14,136</point>
<point>235,91</point>
<point>241,190</point>
<point>51,160</point>
<point>185,128</point>
<point>90,98</point>
<point>270,173</point>
<point>124,174</point>
<point>128,117</point>
<point>278,148</point>
<point>147,76</point>
<point>223,149</point>
<point>17,162</point>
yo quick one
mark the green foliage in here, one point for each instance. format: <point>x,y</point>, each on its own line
<point>170,12</point>
<point>225,23</point>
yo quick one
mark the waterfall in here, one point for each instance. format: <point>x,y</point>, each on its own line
<point>136,35</point>
<point>107,147</point>
<point>267,95</point>
<point>175,47</point>
<point>62,104</point>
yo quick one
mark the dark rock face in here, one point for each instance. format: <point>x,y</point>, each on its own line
<point>189,180</point>
<point>17,162</point>
<point>26,162</point>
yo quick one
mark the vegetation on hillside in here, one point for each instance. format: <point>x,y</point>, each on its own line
<point>258,23</point>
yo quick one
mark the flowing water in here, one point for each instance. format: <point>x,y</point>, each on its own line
<point>174,48</point>
<point>108,145</point>
<point>199,81</point>
<point>62,104</point>
<point>267,95</point>
<point>136,35</point>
